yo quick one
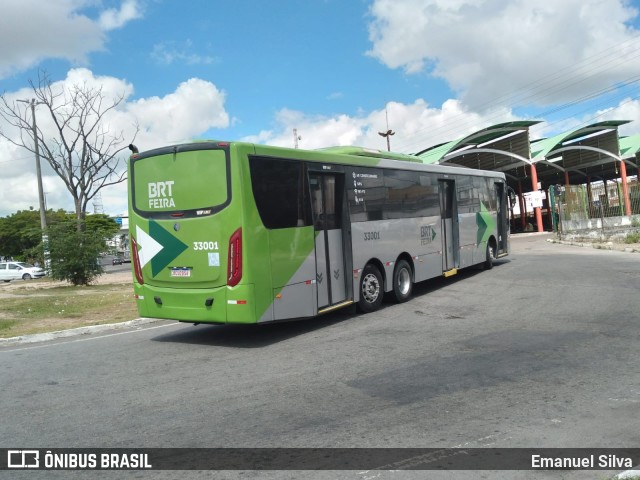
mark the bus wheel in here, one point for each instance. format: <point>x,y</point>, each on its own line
<point>402,284</point>
<point>488,263</point>
<point>371,291</point>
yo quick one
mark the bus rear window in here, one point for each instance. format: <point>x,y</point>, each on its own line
<point>182,181</point>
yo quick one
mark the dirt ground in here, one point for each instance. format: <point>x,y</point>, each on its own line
<point>620,247</point>
<point>122,306</point>
<point>116,278</point>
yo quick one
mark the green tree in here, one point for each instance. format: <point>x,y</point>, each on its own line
<point>74,252</point>
<point>21,235</point>
<point>102,225</point>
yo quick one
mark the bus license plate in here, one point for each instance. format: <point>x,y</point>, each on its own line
<point>181,272</point>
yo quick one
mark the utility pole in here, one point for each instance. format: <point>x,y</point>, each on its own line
<point>296,137</point>
<point>389,132</point>
<point>43,218</point>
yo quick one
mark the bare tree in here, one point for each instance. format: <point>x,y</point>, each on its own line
<point>81,149</point>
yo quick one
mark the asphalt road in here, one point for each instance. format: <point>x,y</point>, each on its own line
<point>541,351</point>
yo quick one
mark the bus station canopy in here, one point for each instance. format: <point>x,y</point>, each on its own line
<point>501,148</point>
<point>630,149</point>
<point>592,151</point>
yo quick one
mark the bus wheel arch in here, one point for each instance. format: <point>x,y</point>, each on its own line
<point>403,278</point>
<point>371,287</point>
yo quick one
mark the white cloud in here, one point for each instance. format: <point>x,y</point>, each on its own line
<point>167,53</point>
<point>193,108</point>
<point>113,18</point>
<point>20,192</point>
<point>416,126</point>
<point>487,50</point>
<point>196,106</point>
<point>627,109</point>
<point>34,30</point>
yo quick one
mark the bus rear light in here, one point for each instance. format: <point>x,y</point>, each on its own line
<point>234,259</point>
<point>137,269</point>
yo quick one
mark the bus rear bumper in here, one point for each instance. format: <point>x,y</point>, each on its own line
<point>198,305</point>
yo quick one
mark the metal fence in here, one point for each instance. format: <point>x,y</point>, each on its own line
<point>596,206</point>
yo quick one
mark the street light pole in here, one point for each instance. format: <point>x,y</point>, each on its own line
<point>43,218</point>
<point>389,132</point>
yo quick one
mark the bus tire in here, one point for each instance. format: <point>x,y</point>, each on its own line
<point>488,263</point>
<point>371,289</point>
<point>402,284</point>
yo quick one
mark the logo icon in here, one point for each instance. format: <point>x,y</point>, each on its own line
<point>23,458</point>
<point>486,224</point>
<point>158,247</point>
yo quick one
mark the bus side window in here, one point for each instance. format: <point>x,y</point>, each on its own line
<point>280,192</point>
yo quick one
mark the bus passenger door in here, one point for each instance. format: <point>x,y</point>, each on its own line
<point>449,225</point>
<point>503,220</point>
<point>327,202</point>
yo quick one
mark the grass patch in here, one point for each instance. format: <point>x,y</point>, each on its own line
<point>633,237</point>
<point>7,324</point>
<point>29,310</point>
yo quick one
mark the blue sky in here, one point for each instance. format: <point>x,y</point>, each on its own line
<point>254,70</point>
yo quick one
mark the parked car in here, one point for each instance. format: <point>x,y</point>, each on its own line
<point>121,257</point>
<point>16,270</point>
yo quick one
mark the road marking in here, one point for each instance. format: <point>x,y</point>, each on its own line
<point>85,339</point>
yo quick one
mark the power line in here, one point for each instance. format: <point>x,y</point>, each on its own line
<point>602,61</point>
<point>14,159</point>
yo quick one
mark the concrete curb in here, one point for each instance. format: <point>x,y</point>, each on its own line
<point>628,474</point>
<point>596,246</point>
<point>45,337</point>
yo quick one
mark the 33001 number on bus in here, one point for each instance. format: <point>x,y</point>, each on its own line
<point>205,245</point>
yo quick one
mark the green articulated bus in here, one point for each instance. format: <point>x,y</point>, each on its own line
<point>226,232</point>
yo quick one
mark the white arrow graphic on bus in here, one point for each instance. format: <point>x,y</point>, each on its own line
<point>149,248</point>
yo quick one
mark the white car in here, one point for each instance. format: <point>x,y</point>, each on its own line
<point>15,270</point>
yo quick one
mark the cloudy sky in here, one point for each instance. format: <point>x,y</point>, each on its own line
<point>335,70</point>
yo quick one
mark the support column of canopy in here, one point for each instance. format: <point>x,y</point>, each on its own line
<point>549,218</point>
<point>589,198</point>
<point>625,189</point>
